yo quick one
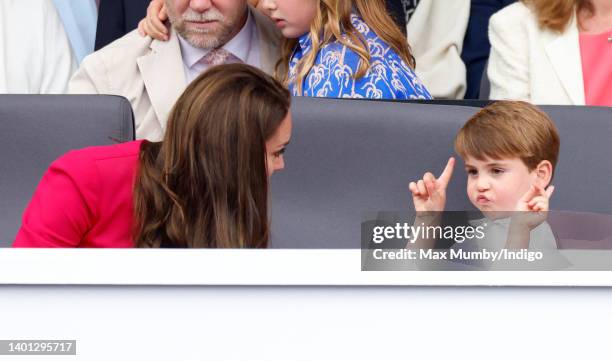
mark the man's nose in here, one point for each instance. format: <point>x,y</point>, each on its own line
<point>200,5</point>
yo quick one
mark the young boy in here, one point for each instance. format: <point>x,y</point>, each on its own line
<point>510,150</point>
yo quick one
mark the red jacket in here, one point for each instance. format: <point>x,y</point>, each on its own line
<point>84,200</point>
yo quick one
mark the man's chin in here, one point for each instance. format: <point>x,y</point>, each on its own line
<point>202,41</point>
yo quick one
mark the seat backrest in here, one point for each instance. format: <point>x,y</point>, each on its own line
<point>584,170</point>
<point>37,129</point>
<point>475,103</point>
<point>347,157</point>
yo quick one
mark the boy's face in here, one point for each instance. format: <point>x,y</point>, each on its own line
<point>496,185</point>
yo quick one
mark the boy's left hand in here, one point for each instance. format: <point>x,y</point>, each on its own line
<point>532,208</point>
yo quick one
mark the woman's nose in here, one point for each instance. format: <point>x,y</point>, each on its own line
<point>280,163</point>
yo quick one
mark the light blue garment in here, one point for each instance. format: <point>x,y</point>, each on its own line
<point>332,75</point>
<point>79,18</point>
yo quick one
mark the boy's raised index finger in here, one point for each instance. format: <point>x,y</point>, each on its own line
<point>447,173</point>
<point>540,189</point>
<point>529,194</point>
<point>549,191</point>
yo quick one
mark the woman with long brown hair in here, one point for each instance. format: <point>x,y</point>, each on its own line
<point>552,52</point>
<point>204,185</point>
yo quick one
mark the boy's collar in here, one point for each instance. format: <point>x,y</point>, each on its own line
<point>485,221</point>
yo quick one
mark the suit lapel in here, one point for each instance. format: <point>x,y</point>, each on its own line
<point>163,75</point>
<point>563,51</point>
<point>269,41</point>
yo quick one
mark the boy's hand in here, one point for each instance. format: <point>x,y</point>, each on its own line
<point>429,193</point>
<point>153,25</point>
<point>532,208</point>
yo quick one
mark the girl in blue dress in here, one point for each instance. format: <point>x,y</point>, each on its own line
<point>343,49</point>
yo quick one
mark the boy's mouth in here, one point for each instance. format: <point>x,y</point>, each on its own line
<point>481,199</point>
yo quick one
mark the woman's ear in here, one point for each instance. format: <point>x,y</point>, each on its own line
<point>544,171</point>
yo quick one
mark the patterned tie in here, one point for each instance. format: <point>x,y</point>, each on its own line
<point>217,57</point>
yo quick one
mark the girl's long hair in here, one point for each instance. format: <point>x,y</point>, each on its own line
<point>556,15</point>
<point>331,23</point>
<point>206,184</point>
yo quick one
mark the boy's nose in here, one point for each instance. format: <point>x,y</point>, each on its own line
<point>483,184</point>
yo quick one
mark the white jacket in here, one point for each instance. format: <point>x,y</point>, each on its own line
<point>531,64</point>
<point>435,33</point>
<point>35,55</point>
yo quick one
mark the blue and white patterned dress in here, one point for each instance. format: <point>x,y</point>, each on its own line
<point>332,75</point>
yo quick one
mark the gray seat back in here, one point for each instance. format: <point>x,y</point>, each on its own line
<point>584,170</point>
<point>36,129</point>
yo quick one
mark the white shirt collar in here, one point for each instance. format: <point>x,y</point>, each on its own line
<point>488,221</point>
<point>239,45</point>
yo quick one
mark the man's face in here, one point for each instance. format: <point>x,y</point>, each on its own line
<point>207,24</point>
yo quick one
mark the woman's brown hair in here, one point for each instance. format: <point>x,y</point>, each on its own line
<point>205,184</point>
<point>333,23</point>
<point>556,15</point>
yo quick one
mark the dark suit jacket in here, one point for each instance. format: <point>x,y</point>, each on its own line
<point>476,46</point>
<point>396,10</point>
<point>117,18</point>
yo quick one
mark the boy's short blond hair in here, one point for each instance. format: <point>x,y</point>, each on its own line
<point>508,129</point>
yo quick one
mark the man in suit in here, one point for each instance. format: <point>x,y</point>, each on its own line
<point>152,74</point>
<point>476,46</point>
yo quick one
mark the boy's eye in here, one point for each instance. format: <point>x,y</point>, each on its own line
<point>472,172</point>
<point>497,170</point>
